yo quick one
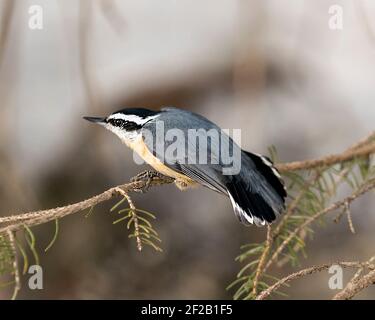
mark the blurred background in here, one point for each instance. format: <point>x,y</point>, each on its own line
<point>274,69</point>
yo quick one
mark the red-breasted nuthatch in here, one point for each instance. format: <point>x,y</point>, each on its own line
<point>255,189</point>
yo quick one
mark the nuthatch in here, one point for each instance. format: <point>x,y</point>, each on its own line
<point>256,190</point>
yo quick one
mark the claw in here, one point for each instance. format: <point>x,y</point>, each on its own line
<point>147,176</point>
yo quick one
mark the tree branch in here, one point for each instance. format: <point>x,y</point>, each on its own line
<point>356,284</point>
<point>328,160</point>
<point>17,222</point>
<point>264,294</point>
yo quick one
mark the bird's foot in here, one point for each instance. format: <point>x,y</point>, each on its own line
<point>149,176</point>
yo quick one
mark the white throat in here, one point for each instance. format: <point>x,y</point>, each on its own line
<point>126,137</point>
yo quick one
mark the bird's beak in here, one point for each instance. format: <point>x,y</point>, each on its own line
<point>95,120</point>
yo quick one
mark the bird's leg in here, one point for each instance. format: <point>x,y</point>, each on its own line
<point>150,176</point>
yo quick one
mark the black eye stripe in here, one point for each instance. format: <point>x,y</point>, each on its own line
<point>127,125</point>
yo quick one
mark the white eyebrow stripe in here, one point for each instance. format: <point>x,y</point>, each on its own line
<point>132,118</point>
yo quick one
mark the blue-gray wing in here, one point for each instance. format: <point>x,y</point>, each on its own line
<point>205,175</point>
<point>173,144</point>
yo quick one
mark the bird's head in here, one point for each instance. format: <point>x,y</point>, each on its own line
<point>126,123</point>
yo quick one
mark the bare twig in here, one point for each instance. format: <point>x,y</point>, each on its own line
<point>364,141</point>
<point>265,293</point>
<point>345,293</point>
<point>356,287</point>
<point>348,214</point>
<point>349,217</point>
<point>328,160</point>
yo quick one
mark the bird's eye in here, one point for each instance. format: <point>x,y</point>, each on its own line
<point>118,122</point>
